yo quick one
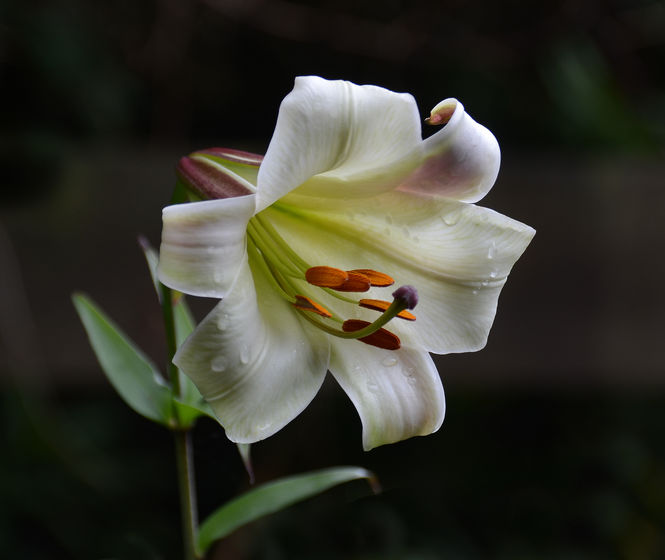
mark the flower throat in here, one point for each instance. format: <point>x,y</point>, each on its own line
<point>284,267</point>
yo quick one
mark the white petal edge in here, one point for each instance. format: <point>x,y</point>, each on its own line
<point>398,394</point>
<point>255,362</point>
<point>203,245</point>
<point>457,256</point>
<point>461,160</point>
<point>363,139</point>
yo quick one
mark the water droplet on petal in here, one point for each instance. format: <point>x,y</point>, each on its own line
<point>263,427</point>
<point>491,251</point>
<point>372,387</point>
<point>223,322</point>
<point>219,363</point>
<point>451,218</point>
<point>389,361</point>
<point>244,354</point>
<point>493,274</point>
<point>217,276</point>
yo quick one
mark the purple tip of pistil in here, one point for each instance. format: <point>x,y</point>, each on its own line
<point>407,293</point>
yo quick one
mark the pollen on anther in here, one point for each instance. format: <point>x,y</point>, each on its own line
<point>376,278</point>
<point>381,339</point>
<point>380,305</point>
<point>307,304</point>
<point>326,276</point>
<point>356,282</point>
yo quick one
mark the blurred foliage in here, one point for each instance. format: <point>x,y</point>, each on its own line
<point>575,478</point>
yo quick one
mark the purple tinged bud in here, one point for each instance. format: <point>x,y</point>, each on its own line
<point>209,179</point>
<point>408,294</point>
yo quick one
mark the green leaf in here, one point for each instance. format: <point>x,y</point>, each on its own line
<point>130,372</point>
<point>273,497</point>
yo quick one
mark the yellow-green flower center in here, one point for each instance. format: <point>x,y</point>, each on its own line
<point>286,271</point>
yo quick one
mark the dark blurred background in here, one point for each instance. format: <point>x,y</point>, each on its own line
<point>554,441</point>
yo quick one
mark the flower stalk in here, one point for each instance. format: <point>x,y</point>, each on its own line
<point>182,439</point>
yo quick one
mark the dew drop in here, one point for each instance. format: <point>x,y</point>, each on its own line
<point>493,274</point>
<point>451,218</point>
<point>372,387</point>
<point>244,354</point>
<point>223,322</point>
<point>491,251</point>
<point>406,232</point>
<point>474,292</point>
<point>217,276</point>
<point>263,427</point>
<point>411,380</point>
<point>389,361</point>
<point>219,364</point>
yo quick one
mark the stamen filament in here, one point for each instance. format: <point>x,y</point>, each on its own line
<point>267,226</point>
<point>255,256</point>
<point>395,307</point>
<point>272,250</point>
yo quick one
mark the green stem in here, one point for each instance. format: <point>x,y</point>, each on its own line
<point>187,487</point>
<point>182,439</point>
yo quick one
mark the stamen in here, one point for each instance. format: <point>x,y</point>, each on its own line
<point>380,305</point>
<point>356,282</point>
<point>326,276</point>
<point>381,338</point>
<point>376,278</point>
<point>307,304</point>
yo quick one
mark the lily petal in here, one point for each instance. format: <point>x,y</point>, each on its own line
<point>203,245</point>
<point>361,139</point>
<point>256,363</point>
<point>398,394</point>
<point>461,161</point>
<point>457,255</point>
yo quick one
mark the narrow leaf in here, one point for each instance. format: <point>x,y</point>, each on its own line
<point>272,497</point>
<point>130,372</point>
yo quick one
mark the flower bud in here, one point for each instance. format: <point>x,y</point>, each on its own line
<point>206,176</point>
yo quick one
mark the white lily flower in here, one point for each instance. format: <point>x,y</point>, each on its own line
<point>348,199</point>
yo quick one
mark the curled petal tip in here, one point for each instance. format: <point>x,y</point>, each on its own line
<point>442,113</point>
<point>408,294</point>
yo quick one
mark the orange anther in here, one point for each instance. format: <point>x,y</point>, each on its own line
<point>303,302</point>
<point>380,305</point>
<point>326,276</point>
<point>381,338</point>
<point>378,279</point>
<point>356,282</point>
